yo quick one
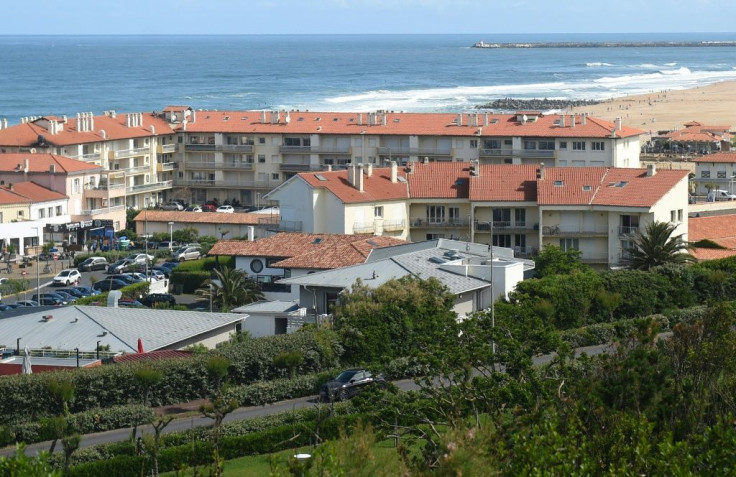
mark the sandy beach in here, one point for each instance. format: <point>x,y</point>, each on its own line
<point>714,104</point>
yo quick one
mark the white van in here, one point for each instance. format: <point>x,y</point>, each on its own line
<point>719,194</point>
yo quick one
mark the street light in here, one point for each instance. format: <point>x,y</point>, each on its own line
<point>171,234</point>
<point>98,349</point>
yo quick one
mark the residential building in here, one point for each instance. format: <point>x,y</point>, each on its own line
<point>284,255</point>
<point>698,138</point>
<point>523,207</point>
<point>715,171</point>
<point>476,274</point>
<point>214,224</point>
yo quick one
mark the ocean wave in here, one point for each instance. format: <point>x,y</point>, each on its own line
<point>465,97</point>
<point>671,64</point>
<point>597,63</point>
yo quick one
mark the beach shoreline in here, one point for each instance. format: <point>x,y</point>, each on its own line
<point>712,104</point>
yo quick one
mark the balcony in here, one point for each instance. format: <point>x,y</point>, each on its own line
<point>624,230</point>
<point>332,150</point>
<point>104,191</point>
<point>246,148</point>
<point>95,156</point>
<point>525,252</point>
<point>234,184</point>
<point>502,226</point>
<point>165,166</point>
<point>435,223</point>
<point>199,147</point>
<point>290,167</point>
<point>572,232</point>
<point>166,148</point>
<point>286,226</point>
<point>137,151</point>
<point>295,149</point>
<point>597,258</point>
<point>144,169</point>
<point>394,225</point>
<point>104,210</point>
<point>269,220</point>
<point>530,153</point>
<point>212,165</point>
<point>364,227</point>
<point>138,188</point>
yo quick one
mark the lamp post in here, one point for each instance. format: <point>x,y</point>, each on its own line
<point>98,349</point>
<point>77,350</point>
<point>171,234</point>
<point>38,262</point>
<point>145,237</point>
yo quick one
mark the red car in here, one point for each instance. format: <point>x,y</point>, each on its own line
<point>208,208</point>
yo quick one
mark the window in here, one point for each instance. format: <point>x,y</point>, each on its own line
<point>597,146</point>
<point>435,214</point>
<point>530,145</point>
<point>275,176</point>
<point>20,213</point>
<point>491,144</point>
<point>378,212</point>
<point>705,174</point>
<point>41,213</point>
<point>569,244</point>
<point>272,260</point>
<point>520,217</point>
<point>256,266</point>
<point>51,211</point>
<point>578,145</point>
<point>473,143</point>
<point>502,240</point>
<point>673,216</point>
<point>520,241</point>
<point>76,186</point>
<point>679,215</point>
<point>563,144</point>
<point>546,145</point>
<point>261,140</point>
<point>501,217</point>
<point>721,174</point>
<point>262,158</point>
<point>454,214</point>
<point>435,236</point>
<point>507,142</point>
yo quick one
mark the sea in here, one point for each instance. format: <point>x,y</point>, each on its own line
<point>55,75</point>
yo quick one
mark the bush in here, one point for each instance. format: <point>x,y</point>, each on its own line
<point>189,280</point>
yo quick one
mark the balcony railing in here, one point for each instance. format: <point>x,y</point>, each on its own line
<point>235,184</point>
<point>532,153</point>
<point>594,258</point>
<point>199,147</point>
<point>296,149</point>
<point>166,148</point>
<point>165,166</point>
<point>626,230</point>
<point>137,151</point>
<point>95,156</point>
<point>286,226</point>
<point>393,225</point>
<point>237,148</point>
<point>212,165</point>
<point>149,187</point>
<point>364,227</point>
<point>525,252</point>
<point>501,226</point>
<point>104,210</point>
<point>138,169</point>
<point>434,223</point>
<point>299,167</point>
<point>413,151</point>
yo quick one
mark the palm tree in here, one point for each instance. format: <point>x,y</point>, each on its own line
<point>231,288</point>
<point>656,246</point>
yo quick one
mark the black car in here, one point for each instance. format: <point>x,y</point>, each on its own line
<point>71,291</point>
<point>92,264</point>
<point>349,383</point>
<point>49,299</point>
<point>154,299</point>
<point>110,284</point>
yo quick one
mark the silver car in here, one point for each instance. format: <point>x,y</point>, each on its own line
<point>191,252</point>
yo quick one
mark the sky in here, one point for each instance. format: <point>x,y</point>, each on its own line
<point>94,17</point>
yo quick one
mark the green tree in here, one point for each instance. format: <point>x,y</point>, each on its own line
<point>21,465</point>
<point>231,288</point>
<point>145,377</point>
<point>63,391</point>
<point>656,246</point>
<point>219,405</point>
<point>395,319</point>
<point>552,260</point>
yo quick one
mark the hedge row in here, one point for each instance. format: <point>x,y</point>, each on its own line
<point>96,420</point>
<point>26,397</point>
<point>199,453</point>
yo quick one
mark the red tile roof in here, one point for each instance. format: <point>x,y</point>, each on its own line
<point>718,157</point>
<point>205,217</point>
<point>404,124</point>
<point>26,134</point>
<point>696,132</point>
<point>721,229</point>
<point>701,254</point>
<point>32,192</point>
<point>504,182</point>
<point>40,163</point>
<point>377,187</point>
<point>300,250</point>
<point>449,180</point>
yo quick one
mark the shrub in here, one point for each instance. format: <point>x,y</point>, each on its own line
<point>189,280</point>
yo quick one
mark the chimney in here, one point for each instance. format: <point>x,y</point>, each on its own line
<point>263,117</point>
<point>540,172</point>
<point>383,120</point>
<point>359,178</point>
<point>459,120</point>
<point>618,124</point>
<point>184,124</point>
<point>394,172</point>
<point>52,168</point>
<point>153,130</point>
<point>103,133</point>
<point>66,120</point>
<point>351,175</point>
<point>112,298</point>
<point>251,233</point>
<point>127,120</point>
<point>572,121</point>
<point>194,116</point>
<point>91,122</point>
<point>651,170</point>
<point>329,167</point>
<point>360,119</point>
<point>369,170</point>
<point>26,165</point>
<point>562,120</point>
<point>485,119</point>
<point>582,119</point>
<point>11,187</point>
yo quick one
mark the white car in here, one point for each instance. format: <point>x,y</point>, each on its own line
<point>67,277</point>
<point>228,209</point>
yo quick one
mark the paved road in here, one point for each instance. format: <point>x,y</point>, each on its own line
<point>182,424</point>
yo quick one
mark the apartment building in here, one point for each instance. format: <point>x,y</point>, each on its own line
<point>715,171</point>
<point>523,207</point>
<point>134,151</point>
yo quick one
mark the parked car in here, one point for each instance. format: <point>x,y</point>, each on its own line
<point>165,271</point>
<point>67,277</point>
<point>20,303</point>
<point>71,291</point>
<point>154,299</point>
<point>192,252</point>
<point>87,291</point>
<point>209,208</point>
<point>228,209</point>
<point>193,208</point>
<point>156,275</point>
<point>67,297</point>
<point>139,258</point>
<point>172,206</point>
<point>110,284</point>
<point>49,299</point>
<point>119,266</point>
<point>7,306</point>
<point>167,244</point>
<point>93,263</point>
<point>719,194</point>
<point>129,278</point>
<point>128,302</point>
<point>349,383</point>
